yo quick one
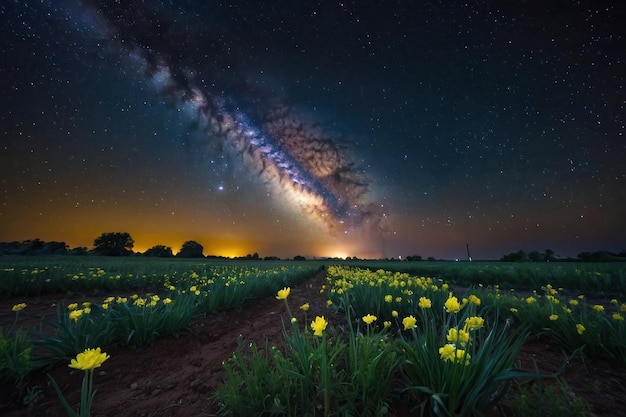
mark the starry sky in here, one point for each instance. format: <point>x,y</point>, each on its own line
<point>317,128</point>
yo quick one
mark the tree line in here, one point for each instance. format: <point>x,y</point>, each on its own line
<point>114,244</point>
<point>121,244</point>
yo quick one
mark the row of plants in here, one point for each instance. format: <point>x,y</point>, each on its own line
<point>608,277</point>
<point>135,321</point>
<point>408,343</point>
<point>34,276</point>
<point>572,320</point>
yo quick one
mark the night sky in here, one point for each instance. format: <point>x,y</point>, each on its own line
<point>316,128</point>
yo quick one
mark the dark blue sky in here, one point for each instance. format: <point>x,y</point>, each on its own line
<point>316,128</point>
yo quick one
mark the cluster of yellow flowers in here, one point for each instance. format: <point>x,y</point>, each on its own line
<point>342,279</point>
<point>75,313</point>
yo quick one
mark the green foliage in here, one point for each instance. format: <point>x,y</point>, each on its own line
<point>70,336</point>
<point>255,376</point>
<point>15,359</point>
<point>316,375</point>
<point>140,321</point>
<point>464,387</point>
<point>370,368</point>
<point>537,399</point>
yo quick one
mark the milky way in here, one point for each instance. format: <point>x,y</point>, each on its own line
<point>295,158</point>
<point>317,128</point>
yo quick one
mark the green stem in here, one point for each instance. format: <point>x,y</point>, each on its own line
<point>288,309</point>
<point>325,377</point>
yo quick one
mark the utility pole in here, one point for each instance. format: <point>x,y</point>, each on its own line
<point>469,257</point>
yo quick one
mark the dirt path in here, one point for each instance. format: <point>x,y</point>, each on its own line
<point>174,377</point>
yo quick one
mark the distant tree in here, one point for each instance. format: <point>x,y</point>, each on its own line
<point>54,248</point>
<point>160,251</point>
<point>299,258</point>
<point>549,256</point>
<point>82,250</point>
<point>431,258</point>
<point>519,256</point>
<point>414,258</point>
<point>253,257</point>
<point>271,258</point>
<point>191,249</point>
<point>535,256</point>
<point>30,247</point>
<point>114,244</point>
<point>598,256</point>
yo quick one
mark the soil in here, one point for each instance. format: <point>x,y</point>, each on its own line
<point>176,376</point>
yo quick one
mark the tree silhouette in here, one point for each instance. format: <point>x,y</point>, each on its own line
<point>191,249</point>
<point>114,244</point>
<point>160,251</point>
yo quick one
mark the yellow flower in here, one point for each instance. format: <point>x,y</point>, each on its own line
<point>18,307</point>
<point>513,310</point>
<point>622,308</point>
<point>109,300</point>
<point>167,300</point>
<point>598,308</point>
<point>89,359</point>
<point>388,298</point>
<point>580,328</point>
<point>329,303</point>
<point>473,323</point>
<point>614,301</point>
<point>617,317</point>
<point>121,300</point>
<point>554,317</point>
<point>197,292</point>
<point>394,313</point>
<point>462,355</point>
<point>409,322</point>
<point>87,304</point>
<point>283,294</point>
<point>87,310</point>
<point>72,306</point>
<point>369,319</point>
<point>425,303</point>
<point>452,305</point>
<point>457,336</point>
<point>447,352</point>
<point>193,288</point>
<point>386,324</point>
<point>105,306</point>
<point>139,302</point>
<point>531,300</point>
<point>305,307</point>
<point>474,300</point>
<point>319,325</point>
<point>573,302</point>
<point>74,315</point>
<point>293,319</point>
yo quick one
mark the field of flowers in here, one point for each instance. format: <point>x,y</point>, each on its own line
<point>410,343</point>
<point>172,296</point>
<point>387,342</point>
